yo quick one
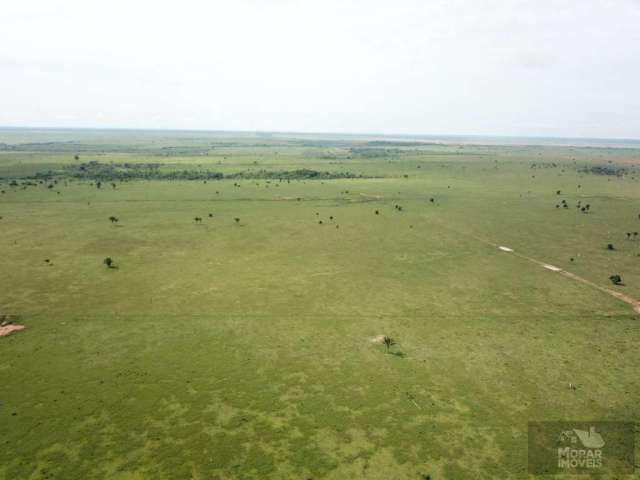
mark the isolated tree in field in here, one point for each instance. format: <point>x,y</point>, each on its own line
<point>108,262</point>
<point>113,219</point>
<point>98,184</point>
<point>76,157</point>
<point>616,279</point>
<point>198,219</point>
<point>610,246</point>
<point>237,220</point>
<point>377,212</point>
<point>388,342</point>
<point>628,235</point>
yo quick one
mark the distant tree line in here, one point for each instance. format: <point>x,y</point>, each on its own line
<point>615,170</point>
<point>109,172</point>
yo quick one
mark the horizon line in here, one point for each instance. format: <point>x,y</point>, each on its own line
<point>319,132</point>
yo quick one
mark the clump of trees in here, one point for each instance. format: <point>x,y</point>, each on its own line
<point>111,172</point>
<point>614,170</point>
<point>616,279</point>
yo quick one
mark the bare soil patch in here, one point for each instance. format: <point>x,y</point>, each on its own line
<point>7,325</point>
<point>10,328</point>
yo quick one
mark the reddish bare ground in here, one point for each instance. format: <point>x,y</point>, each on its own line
<point>10,328</point>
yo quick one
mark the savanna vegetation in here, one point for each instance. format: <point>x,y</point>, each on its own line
<point>261,306</point>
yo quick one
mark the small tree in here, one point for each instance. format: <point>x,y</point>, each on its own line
<point>237,220</point>
<point>113,219</point>
<point>108,262</point>
<point>616,279</point>
<point>388,342</point>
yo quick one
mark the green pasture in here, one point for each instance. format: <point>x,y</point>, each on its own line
<point>243,349</point>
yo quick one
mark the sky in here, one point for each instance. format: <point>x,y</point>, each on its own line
<point>562,68</point>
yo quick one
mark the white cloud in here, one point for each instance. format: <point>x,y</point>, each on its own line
<point>521,67</point>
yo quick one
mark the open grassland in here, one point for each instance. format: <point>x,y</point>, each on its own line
<point>242,348</point>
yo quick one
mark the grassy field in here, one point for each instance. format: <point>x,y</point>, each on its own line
<point>228,349</point>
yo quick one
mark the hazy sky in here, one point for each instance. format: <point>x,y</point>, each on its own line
<point>538,67</point>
